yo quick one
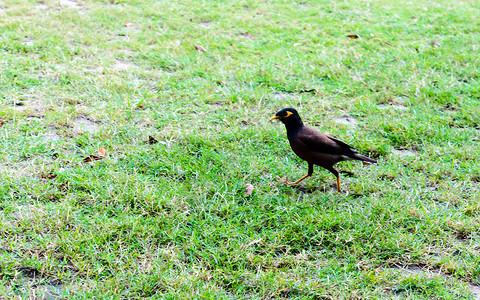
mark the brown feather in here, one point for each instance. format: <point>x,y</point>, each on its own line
<point>315,147</point>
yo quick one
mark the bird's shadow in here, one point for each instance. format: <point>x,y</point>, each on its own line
<point>308,190</point>
<point>330,189</point>
<point>325,188</point>
<point>347,173</point>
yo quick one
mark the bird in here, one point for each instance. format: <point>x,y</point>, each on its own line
<point>315,147</point>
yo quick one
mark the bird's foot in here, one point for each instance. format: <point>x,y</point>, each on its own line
<point>283,180</point>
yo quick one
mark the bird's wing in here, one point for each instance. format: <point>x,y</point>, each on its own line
<point>323,143</point>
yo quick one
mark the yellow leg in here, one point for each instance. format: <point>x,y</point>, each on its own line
<point>339,188</point>
<point>300,180</point>
<point>310,172</point>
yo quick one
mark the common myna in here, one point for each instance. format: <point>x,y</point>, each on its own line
<point>315,147</point>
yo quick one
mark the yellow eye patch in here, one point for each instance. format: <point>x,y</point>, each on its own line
<point>289,113</point>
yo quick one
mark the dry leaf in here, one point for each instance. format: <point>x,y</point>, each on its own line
<point>2,123</point>
<point>353,36</point>
<point>101,151</point>
<point>435,44</point>
<point>129,24</point>
<point>151,140</point>
<point>101,155</point>
<point>141,106</point>
<point>306,91</point>
<point>92,158</point>
<point>48,176</point>
<point>200,48</point>
<point>248,190</point>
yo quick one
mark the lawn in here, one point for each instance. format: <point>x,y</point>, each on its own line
<point>179,95</point>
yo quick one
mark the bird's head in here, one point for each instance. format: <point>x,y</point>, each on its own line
<point>287,115</point>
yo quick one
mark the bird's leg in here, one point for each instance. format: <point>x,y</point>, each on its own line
<point>310,172</point>
<point>335,172</point>
<point>339,188</point>
<point>300,180</point>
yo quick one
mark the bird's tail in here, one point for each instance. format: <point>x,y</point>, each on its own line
<point>364,159</point>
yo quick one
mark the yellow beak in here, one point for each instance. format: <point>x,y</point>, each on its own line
<point>274,118</point>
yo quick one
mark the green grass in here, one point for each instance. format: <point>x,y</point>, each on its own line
<point>170,220</point>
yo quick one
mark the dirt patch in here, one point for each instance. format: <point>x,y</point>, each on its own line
<point>391,106</point>
<point>122,37</point>
<point>417,270</point>
<point>32,282</point>
<point>404,153</point>
<point>73,4</point>
<point>281,96</point>
<point>475,290</point>
<point>50,137</point>
<point>83,124</point>
<point>29,103</point>
<point>24,212</point>
<point>69,3</point>
<point>206,24</point>
<point>122,65</point>
<point>28,41</point>
<point>41,6</point>
<point>17,170</point>
<point>346,120</point>
<point>34,118</point>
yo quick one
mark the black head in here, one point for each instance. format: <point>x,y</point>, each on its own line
<point>288,116</point>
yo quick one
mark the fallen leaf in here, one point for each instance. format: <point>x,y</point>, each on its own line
<point>48,176</point>
<point>353,36</point>
<point>151,140</point>
<point>435,44</point>
<point>92,158</point>
<point>306,91</point>
<point>2,123</point>
<point>129,24</point>
<point>200,48</point>
<point>101,152</point>
<point>141,106</point>
<point>248,190</point>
